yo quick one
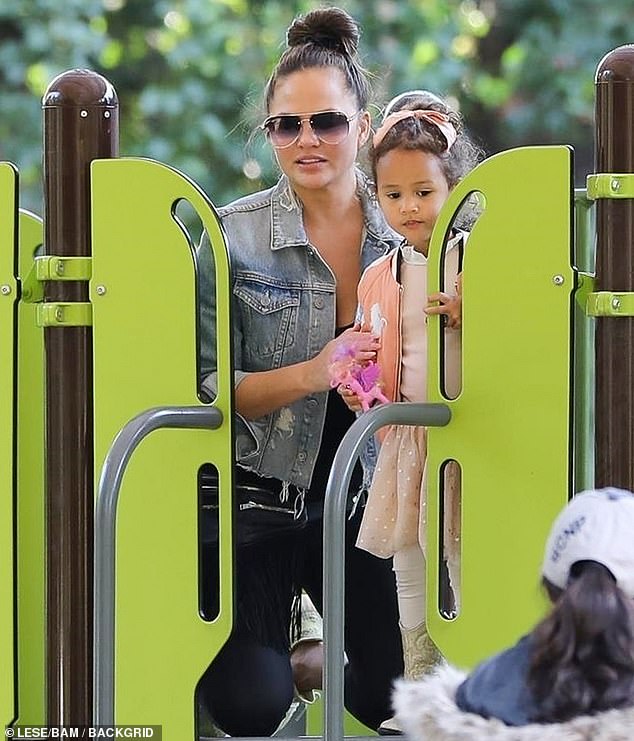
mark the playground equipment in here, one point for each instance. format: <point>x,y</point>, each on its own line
<point>113,285</point>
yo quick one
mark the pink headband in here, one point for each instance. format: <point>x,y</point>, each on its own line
<point>435,118</point>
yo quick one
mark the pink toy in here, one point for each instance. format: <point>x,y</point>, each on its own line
<point>363,379</point>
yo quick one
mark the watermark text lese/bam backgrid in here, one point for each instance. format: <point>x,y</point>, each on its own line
<point>87,732</point>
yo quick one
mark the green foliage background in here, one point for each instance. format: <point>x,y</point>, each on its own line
<point>189,73</point>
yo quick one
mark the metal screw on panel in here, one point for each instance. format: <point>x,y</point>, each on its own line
<point>59,267</point>
<point>5,290</point>
<point>100,290</point>
<point>84,114</point>
<point>615,184</point>
<point>616,303</point>
<point>59,314</point>
<point>558,280</point>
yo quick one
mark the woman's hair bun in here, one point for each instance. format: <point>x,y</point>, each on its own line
<point>330,28</point>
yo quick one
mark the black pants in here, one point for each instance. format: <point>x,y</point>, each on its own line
<point>249,686</point>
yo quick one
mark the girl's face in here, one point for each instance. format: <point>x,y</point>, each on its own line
<point>309,162</point>
<point>411,188</point>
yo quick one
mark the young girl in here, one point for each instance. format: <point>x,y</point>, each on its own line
<point>418,154</point>
<point>572,676</point>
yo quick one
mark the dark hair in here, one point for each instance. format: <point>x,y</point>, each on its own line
<point>418,134</point>
<point>327,37</point>
<point>583,652</point>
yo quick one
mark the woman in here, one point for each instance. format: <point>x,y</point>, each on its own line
<point>297,251</point>
<point>572,677</point>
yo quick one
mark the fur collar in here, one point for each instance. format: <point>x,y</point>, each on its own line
<point>426,710</point>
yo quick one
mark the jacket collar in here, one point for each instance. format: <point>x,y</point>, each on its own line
<point>287,224</point>
<point>395,263</point>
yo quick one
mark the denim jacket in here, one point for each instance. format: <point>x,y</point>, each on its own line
<point>283,312</point>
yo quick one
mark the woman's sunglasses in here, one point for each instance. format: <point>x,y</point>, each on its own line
<point>330,127</point>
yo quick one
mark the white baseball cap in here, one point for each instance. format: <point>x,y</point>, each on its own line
<point>594,526</point>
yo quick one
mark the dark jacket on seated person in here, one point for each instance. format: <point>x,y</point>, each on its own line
<point>498,687</point>
<point>427,710</point>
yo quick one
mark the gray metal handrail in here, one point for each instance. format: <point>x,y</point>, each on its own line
<point>401,413</point>
<point>112,473</point>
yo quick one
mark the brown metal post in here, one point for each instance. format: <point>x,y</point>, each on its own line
<point>81,123</point>
<point>614,153</point>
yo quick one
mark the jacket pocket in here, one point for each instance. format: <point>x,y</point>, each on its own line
<point>268,317</point>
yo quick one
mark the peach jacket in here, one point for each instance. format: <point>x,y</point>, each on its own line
<point>379,306</point>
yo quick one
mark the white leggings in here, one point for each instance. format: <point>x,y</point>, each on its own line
<point>409,569</point>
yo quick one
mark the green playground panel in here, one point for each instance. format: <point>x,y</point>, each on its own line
<point>8,286</point>
<point>31,588</point>
<point>315,722</point>
<point>584,329</point>
<point>510,426</point>
<point>144,320</point>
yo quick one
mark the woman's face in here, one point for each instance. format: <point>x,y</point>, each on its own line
<point>309,163</point>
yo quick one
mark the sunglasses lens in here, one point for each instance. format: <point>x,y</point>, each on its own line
<point>331,127</point>
<point>283,130</point>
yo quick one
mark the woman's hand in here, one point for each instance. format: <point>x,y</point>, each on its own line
<point>266,391</point>
<point>365,346</point>
<point>447,305</point>
<point>350,398</point>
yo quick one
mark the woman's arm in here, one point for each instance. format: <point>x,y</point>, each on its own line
<point>259,393</point>
<point>263,392</point>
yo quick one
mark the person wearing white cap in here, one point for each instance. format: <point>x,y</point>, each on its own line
<point>572,677</point>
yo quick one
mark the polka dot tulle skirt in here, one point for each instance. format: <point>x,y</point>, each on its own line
<point>395,513</point>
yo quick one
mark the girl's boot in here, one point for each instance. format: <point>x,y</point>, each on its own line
<point>420,657</point>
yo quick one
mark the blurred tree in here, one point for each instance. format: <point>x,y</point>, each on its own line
<point>189,73</point>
